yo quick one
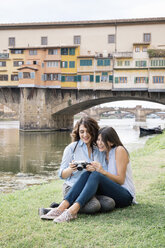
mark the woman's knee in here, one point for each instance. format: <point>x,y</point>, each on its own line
<point>95,175</point>
<point>91,207</point>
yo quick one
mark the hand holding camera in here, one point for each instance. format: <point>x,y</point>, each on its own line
<point>80,165</point>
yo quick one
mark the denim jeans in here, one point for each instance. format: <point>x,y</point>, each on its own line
<point>91,183</point>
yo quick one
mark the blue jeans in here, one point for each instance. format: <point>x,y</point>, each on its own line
<point>91,183</point>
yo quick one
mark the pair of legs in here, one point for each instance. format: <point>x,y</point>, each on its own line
<point>97,203</point>
<point>89,184</point>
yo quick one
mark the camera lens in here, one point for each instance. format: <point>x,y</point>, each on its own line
<point>79,167</point>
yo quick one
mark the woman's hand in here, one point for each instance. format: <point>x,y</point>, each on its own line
<point>98,167</point>
<point>90,167</point>
<point>72,166</point>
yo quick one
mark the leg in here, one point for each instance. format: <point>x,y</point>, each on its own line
<point>91,207</point>
<point>106,187</point>
<point>106,202</point>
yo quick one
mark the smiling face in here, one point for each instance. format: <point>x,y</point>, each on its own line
<point>101,145</point>
<point>84,135</point>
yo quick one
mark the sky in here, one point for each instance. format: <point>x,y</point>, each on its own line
<point>18,11</point>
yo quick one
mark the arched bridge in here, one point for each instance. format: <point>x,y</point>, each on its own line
<point>139,112</point>
<point>45,109</point>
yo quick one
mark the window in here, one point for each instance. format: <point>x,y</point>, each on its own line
<point>44,40</point>
<point>85,78</point>
<point>141,63</point>
<point>64,51</point>
<point>11,41</point>
<point>120,79</point>
<point>14,77</point>
<point>127,63</point>
<point>2,63</point>
<point>71,64</point>
<point>104,77</point>
<point>103,62</point>
<point>137,49</point>
<point>51,77</point>
<point>4,55</point>
<point>64,64</point>
<point>119,63</point>
<point>71,51</point>
<point>69,78</point>
<point>85,62</point>
<point>3,77</point>
<point>160,62</point>
<point>52,64</point>
<point>158,79</point>
<point>52,51</point>
<point>32,52</point>
<point>77,40</point>
<point>141,79</point>
<point>111,38</point>
<point>26,75</point>
<point>146,37</point>
<point>17,51</point>
<point>18,63</point>
<point>144,49</point>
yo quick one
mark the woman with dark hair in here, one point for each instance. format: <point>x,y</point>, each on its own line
<point>82,148</point>
<point>114,181</point>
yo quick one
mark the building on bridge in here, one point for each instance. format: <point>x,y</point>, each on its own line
<point>113,54</point>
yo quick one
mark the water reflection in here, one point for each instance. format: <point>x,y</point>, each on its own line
<point>40,153</point>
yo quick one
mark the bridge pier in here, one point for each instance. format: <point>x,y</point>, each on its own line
<point>36,112</point>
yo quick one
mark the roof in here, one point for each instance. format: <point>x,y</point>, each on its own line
<point>42,47</point>
<point>27,67</point>
<point>65,24</point>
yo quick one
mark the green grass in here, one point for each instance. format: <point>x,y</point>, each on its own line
<point>138,226</point>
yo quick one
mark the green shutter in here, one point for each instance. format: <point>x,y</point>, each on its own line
<point>111,78</point>
<point>147,80</point>
<point>135,80</point>
<point>75,78</point>
<point>79,78</point>
<point>97,79</point>
<point>62,78</point>
<point>116,80</point>
<point>91,78</point>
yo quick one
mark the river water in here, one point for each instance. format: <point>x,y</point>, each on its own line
<point>28,158</point>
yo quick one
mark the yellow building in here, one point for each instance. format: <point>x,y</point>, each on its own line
<point>69,66</point>
<point>9,64</point>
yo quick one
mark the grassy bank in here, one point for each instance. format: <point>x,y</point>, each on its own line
<point>142,225</point>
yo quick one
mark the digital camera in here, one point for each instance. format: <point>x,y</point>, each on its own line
<point>81,165</point>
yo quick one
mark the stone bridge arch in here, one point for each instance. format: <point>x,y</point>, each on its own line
<point>82,100</point>
<point>47,109</point>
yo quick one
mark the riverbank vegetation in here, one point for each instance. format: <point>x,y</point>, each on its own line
<point>138,226</point>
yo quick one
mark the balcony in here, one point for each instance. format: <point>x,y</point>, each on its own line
<point>4,55</point>
<point>123,55</point>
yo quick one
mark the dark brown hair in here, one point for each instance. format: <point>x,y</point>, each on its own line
<point>109,134</point>
<point>90,124</point>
